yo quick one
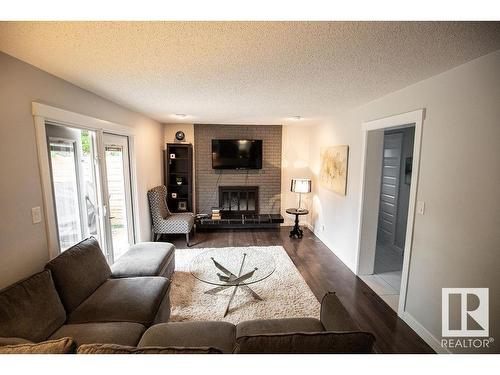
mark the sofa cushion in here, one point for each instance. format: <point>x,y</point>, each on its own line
<point>134,299</point>
<point>78,272</point>
<point>61,346</point>
<point>218,335</point>
<point>145,259</point>
<point>306,343</point>
<point>119,349</point>
<point>264,326</point>
<point>121,333</point>
<point>31,309</point>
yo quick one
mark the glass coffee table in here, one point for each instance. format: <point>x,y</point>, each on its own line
<point>232,268</point>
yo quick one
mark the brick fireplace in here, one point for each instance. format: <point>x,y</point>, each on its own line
<point>268,179</point>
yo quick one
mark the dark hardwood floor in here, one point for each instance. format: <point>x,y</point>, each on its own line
<point>324,272</point>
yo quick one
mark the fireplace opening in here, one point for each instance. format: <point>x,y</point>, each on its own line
<point>239,200</point>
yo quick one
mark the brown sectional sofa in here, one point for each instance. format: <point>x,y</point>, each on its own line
<point>125,309</point>
<point>334,332</point>
<point>76,296</point>
<point>31,309</point>
<point>82,278</point>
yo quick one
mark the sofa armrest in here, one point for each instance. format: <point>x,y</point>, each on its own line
<point>334,316</point>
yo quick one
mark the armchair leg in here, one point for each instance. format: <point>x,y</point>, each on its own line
<point>187,240</point>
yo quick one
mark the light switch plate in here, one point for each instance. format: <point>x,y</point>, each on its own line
<point>420,207</point>
<point>36,215</point>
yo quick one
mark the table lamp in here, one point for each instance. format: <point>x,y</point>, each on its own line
<point>300,186</point>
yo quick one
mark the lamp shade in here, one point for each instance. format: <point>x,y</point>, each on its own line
<point>301,185</point>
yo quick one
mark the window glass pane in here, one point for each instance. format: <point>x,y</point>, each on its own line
<point>62,155</point>
<point>117,199</point>
<point>89,184</point>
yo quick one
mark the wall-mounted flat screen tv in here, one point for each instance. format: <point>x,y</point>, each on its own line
<point>236,154</point>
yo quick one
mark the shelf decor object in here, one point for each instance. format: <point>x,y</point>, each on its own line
<point>300,186</point>
<point>179,136</point>
<point>179,176</point>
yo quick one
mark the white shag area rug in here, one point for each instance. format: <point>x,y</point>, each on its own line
<point>285,294</point>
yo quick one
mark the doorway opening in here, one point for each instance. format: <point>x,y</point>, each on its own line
<point>397,157</point>
<point>390,173</point>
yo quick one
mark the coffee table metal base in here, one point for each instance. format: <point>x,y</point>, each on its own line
<point>230,280</point>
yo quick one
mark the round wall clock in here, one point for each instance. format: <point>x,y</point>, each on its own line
<point>180,135</point>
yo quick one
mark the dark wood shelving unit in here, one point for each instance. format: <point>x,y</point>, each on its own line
<point>179,196</point>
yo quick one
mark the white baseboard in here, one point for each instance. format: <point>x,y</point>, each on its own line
<point>423,333</point>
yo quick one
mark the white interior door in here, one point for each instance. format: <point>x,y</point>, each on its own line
<point>119,216</point>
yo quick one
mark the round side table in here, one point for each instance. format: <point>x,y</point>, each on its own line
<point>296,231</point>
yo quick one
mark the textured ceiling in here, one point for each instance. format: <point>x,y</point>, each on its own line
<point>245,72</point>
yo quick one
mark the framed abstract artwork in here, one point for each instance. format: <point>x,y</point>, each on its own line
<point>333,172</point>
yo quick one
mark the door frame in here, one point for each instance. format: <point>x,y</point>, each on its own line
<point>43,114</point>
<point>369,198</point>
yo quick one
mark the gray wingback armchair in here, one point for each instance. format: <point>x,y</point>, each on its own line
<point>164,221</point>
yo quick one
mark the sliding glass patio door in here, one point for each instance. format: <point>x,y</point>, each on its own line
<point>91,187</point>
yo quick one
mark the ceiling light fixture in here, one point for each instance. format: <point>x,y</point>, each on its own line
<point>180,115</point>
<point>296,118</point>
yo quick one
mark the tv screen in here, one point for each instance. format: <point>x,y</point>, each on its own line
<point>236,154</point>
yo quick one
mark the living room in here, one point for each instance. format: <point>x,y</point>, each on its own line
<point>238,187</point>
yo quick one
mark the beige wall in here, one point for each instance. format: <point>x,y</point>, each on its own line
<point>23,247</point>
<point>295,164</point>
<point>457,240</point>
